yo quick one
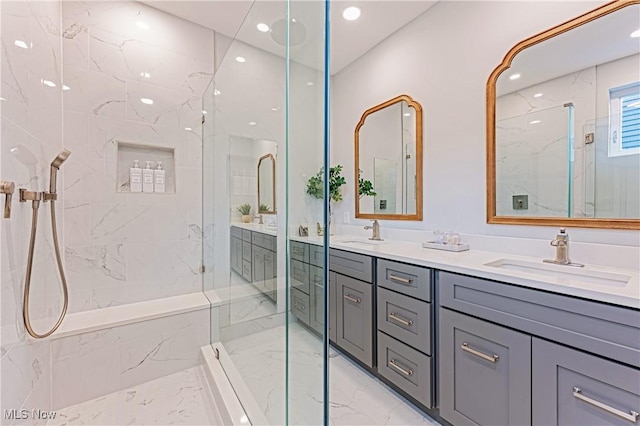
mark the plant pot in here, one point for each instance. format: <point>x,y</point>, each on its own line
<point>246,218</point>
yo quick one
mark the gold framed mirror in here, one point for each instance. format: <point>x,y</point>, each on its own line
<point>267,184</point>
<point>557,109</point>
<point>388,161</point>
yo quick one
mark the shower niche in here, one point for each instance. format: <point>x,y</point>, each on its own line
<point>127,155</point>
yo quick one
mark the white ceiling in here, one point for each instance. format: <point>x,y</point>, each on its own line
<point>349,39</point>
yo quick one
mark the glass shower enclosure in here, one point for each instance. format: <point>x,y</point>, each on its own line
<point>263,138</point>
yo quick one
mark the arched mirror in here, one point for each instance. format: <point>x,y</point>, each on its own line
<point>267,184</point>
<point>388,161</point>
<point>563,124</point>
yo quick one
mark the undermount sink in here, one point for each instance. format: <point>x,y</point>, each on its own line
<point>366,242</point>
<point>565,273</point>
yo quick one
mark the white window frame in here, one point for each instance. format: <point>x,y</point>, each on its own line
<point>615,119</point>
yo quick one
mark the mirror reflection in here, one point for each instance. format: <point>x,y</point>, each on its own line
<point>267,184</point>
<point>388,158</point>
<point>567,124</point>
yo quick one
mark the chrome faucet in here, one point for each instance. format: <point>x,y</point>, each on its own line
<point>259,217</point>
<point>376,231</point>
<point>561,243</point>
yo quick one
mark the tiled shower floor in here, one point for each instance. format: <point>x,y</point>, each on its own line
<point>178,399</point>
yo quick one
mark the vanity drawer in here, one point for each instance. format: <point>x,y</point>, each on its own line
<point>405,367</point>
<point>265,241</point>
<point>406,319</point>
<point>246,235</point>
<point>611,331</point>
<point>316,277</point>
<point>300,276</point>
<point>299,251</point>
<point>350,264</point>
<point>316,255</point>
<point>568,386</point>
<point>236,232</point>
<point>411,280</point>
<point>246,270</point>
<point>246,250</point>
<point>300,305</point>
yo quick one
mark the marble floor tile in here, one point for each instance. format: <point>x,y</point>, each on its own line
<point>178,399</point>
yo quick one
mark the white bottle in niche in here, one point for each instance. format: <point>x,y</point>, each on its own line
<point>158,178</point>
<point>135,177</point>
<point>147,178</point>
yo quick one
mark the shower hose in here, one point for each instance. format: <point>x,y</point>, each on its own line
<point>27,283</point>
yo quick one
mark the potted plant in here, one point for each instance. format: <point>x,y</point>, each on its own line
<point>245,210</point>
<point>365,187</point>
<point>315,187</point>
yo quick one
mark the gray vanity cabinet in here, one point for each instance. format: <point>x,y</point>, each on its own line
<point>354,318</point>
<point>253,255</point>
<point>333,306</point>
<point>485,372</point>
<point>236,254</point>
<point>575,388</point>
<point>316,298</point>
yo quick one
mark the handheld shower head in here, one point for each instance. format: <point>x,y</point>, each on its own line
<point>55,166</point>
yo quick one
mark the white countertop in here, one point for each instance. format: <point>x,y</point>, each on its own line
<point>473,262</point>
<point>263,229</point>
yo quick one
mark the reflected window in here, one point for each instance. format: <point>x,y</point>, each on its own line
<point>624,106</point>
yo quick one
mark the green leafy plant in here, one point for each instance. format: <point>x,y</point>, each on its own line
<point>264,208</point>
<point>365,187</point>
<point>315,186</point>
<point>244,209</point>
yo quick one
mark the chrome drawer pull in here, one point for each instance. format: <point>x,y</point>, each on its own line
<point>392,363</point>
<point>352,299</point>
<point>405,281</point>
<point>399,319</point>
<point>491,358</point>
<point>632,416</point>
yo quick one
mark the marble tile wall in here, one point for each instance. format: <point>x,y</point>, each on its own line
<point>31,136</point>
<point>125,247</point>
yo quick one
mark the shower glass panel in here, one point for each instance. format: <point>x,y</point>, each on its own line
<point>534,158</point>
<point>267,97</point>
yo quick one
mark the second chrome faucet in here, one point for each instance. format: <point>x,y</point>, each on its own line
<point>376,231</point>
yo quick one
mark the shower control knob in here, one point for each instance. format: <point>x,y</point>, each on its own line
<point>7,188</point>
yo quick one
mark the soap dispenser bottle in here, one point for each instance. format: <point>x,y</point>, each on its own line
<point>135,177</point>
<point>147,178</point>
<point>158,178</point>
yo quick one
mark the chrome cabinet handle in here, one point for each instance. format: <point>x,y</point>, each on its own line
<point>491,358</point>
<point>401,280</point>
<point>300,307</point>
<point>351,299</point>
<point>399,319</point>
<point>392,363</point>
<point>632,416</point>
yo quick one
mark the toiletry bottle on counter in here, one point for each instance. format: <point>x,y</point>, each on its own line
<point>147,178</point>
<point>135,177</point>
<point>158,178</point>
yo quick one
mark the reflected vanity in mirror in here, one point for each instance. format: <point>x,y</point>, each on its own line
<point>563,125</point>
<point>267,184</point>
<point>388,161</point>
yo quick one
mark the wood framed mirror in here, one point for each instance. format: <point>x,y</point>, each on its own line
<point>388,161</point>
<point>563,124</point>
<point>267,184</point>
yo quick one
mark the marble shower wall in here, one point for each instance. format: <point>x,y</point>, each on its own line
<point>31,136</point>
<point>128,247</point>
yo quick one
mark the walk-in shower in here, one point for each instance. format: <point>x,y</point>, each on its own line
<point>35,198</point>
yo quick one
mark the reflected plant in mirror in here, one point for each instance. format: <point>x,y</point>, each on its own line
<point>388,157</point>
<point>315,184</point>
<point>563,124</point>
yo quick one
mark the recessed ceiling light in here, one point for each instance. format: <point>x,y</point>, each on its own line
<point>537,95</point>
<point>2,99</point>
<point>635,34</point>
<point>535,122</point>
<point>244,419</point>
<point>188,128</point>
<point>145,75</point>
<point>143,25</point>
<point>351,13</point>
<point>252,123</point>
<point>310,83</point>
<point>240,59</point>
<point>262,27</point>
<point>146,101</point>
<point>514,76</point>
<point>274,109</point>
<point>48,83</point>
<point>216,92</point>
<point>21,44</point>
<point>204,111</point>
<point>407,114</point>
<point>65,87</point>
